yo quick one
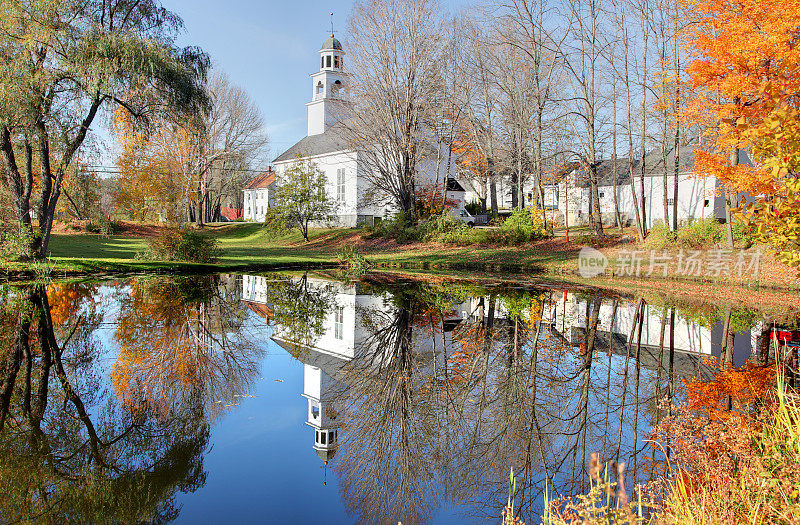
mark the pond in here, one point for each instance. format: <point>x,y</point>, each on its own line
<point>298,398</point>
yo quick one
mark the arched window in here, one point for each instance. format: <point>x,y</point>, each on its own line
<point>320,88</point>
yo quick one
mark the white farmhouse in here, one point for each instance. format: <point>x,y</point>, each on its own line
<point>569,196</point>
<point>345,172</point>
<point>699,196</point>
<point>258,196</point>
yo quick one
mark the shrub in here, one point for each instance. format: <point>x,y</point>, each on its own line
<point>738,464</point>
<point>397,228</point>
<point>110,226</point>
<point>183,244</point>
<point>474,208</point>
<point>93,226</point>
<point>660,237</point>
<point>466,237</point>
<point>441,225</point>
<point>523,226</point>
<point>700,233</point>
<point>13,242</point>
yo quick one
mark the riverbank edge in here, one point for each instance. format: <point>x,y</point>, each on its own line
<point>476,272</point>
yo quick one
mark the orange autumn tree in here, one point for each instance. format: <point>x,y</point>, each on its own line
<point>746,91</point>
<point>470,154</point>
<point>149,186</point>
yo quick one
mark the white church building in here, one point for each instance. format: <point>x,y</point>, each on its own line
<point>326,147</point>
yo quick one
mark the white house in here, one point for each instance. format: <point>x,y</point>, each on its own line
<point>699,196</point>
<point>346,173</point>
<point>258,196</point>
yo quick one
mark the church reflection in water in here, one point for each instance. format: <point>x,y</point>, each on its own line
<point>425,393</point>
<point>419,396</point>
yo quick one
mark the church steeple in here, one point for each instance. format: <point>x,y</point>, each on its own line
<point>321,412</point>
<point>327,84</point>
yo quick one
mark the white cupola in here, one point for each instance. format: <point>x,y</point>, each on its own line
<point>327,85</point>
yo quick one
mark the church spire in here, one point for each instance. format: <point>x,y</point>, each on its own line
<point>327,83</point>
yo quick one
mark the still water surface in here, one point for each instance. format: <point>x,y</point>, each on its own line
<point>301,398</point>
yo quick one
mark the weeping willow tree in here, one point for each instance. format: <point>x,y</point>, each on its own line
<point>64,62</point>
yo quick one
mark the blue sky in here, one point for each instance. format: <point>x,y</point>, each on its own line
<point>269,48</point>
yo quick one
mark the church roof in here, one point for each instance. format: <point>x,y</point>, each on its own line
<point>327,142</point>
<point>332,43</point>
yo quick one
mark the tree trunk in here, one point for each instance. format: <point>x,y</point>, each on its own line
<point>493,194</point>
<point>677,138</point>
<point>728,205</point>
<point>643,135</point>
<point>629,130</point>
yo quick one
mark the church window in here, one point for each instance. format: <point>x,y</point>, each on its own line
<point>322,437</point>
<point>328,61</point>
<point>315,412</point>
<point>338,323</point>
<point>320,87</point>
<point>321,62</point>
<point>340,185</point>
<point>336,61</point>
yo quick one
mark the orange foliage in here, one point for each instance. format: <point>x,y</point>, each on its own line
<point>150,183</point>
<point>66,299</point>
<point>744,72</point>
<point>745,386</point>
<point>160,352</point>
<point>708,440</point>
<point>431,201</point>
<point>469,153</point>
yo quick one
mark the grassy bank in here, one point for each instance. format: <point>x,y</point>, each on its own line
<point>251,247</point>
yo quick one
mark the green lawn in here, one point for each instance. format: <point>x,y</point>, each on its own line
<point>250,245</point>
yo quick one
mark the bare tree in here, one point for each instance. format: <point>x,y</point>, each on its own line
<point>583,62</point>
<point>214,150</point>
<point>529,20</point>
<point>479,128</point>
<point>624,74</point>
<point>396,81</point>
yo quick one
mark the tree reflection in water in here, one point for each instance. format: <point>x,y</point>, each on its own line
<point>432,391</point>
<point>447,388</point>
<point>181,346</point>
<point>78,446</point>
